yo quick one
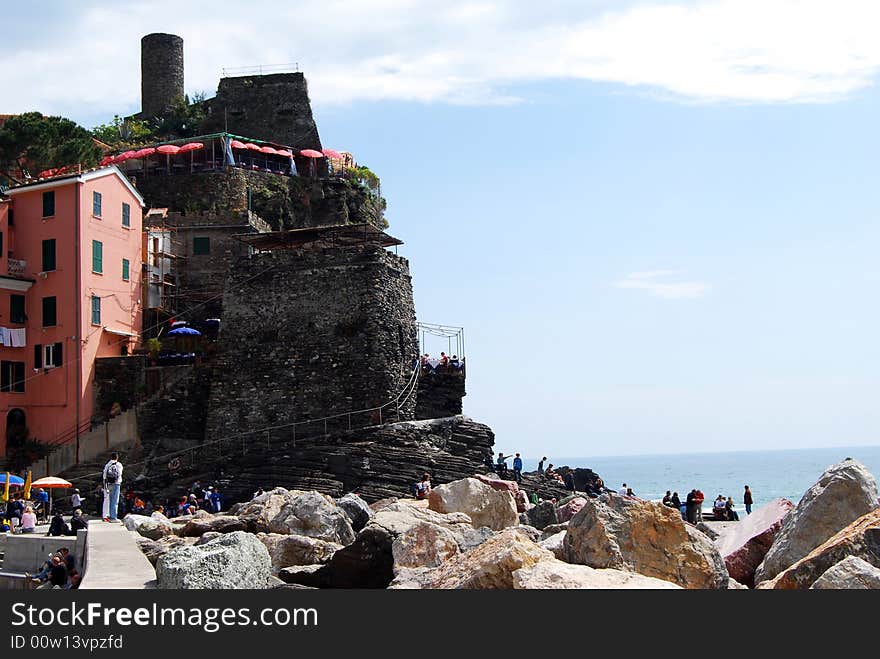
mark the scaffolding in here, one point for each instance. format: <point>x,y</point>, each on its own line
<point>452,334</point>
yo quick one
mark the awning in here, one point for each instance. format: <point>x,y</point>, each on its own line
<point>120,332</point>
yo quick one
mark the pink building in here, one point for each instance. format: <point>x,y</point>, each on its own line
<point>70,291</point>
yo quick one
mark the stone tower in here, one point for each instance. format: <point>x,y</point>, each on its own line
<point>161,72</point>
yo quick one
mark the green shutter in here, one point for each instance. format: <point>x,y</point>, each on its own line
<point>126,215</point>
<point>96,310</point>
<point>96,204</point>
<point>97,256</point>
<point>125,269</point>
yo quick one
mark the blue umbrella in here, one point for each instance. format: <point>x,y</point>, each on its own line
<point>184,330</point>
<point>13,480</point>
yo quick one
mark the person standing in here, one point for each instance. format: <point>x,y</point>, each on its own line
<point>699,497</point>
<point>690,507</point>
<point>112,477</point>
<point>541,465</point>
<point>517,468</point>
<point>75,500</point>
<point>747,500</point>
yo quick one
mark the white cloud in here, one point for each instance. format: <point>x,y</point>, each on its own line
<point>762,51</point>
<point>653,282</point>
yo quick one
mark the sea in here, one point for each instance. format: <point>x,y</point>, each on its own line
<point>769,474</point>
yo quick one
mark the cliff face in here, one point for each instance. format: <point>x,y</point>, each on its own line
<point>285,202</point>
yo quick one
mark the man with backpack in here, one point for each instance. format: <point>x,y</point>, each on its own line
<point>112,484</point>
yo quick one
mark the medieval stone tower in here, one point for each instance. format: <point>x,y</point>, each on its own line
<point>161,72</point>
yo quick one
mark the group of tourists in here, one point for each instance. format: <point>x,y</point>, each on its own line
<point>723,508</point>
<point>59,570</point>
<point>21,514</point>
<point>442,364</point>
<point>198,497</point>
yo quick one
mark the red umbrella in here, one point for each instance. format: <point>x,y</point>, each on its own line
<point>311,153</point>
<point>143,153</point>
<point>106,160</point>
<point>235,144</point>
<point>168,149</point>
<point>330,153</point>
<point>252,147</point>
<point>285,153</point>
<point>269,150</point>
<point>191,146</point>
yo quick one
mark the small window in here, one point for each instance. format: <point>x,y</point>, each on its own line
<point>1,242</point>
<point>201,245</point>
<point>48,255</point>
<point>16,309</point>
<point>125,267</point>
<point>97,256</point>
<point>156,252</point>
<point>96,204</point>
<point>12,376</point>
<point>53,356</point>
<point>50,318</point>
<point>10,220</point>
<point>126,215</point>
<point>96,310</point>
<point>48,203</point>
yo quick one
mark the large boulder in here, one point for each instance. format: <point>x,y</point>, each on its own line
<point>744,546</point>
<point>311,514</point>
<point>132,521</point>
<point>236,560</point>
<point>860,539</point>
<point>489,566</point>
<point>845,492</point>
<point>646,537</point>
<point>154,529</point>
<point>368,562</point>
<point>485,505</point>
<point>555,574</point>
<point>155,549</point>
<point>555,544</point>
<point>358,511</point>
<point>852,573</point>
<point>290,550</point>
<point>542,515</point>
<point>570,508</point>
<point>219,523</point>
<point>424,545</point>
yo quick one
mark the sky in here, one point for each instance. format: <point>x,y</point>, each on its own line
<point>656,221</point>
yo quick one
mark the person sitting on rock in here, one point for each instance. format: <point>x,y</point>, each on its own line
<point>77,522</point>
<point>732,515</point>
<point>423,487</point>
<point>58,526</point>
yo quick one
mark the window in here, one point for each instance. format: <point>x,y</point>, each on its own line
<point>53,356</point>
<point>48,255</point>
<point>97,256</point>
<point>201,245</point>
<point>49,203</point>
<point>12,376</point>
<point>16,309</point>
<point>1,242</point>
<point>96,310</point>
<point>155,252</point>
<point>10,220</point>
<point>49,312</point>
<point>96,204</point>
<point>125,266</point>
<point>126,215</point>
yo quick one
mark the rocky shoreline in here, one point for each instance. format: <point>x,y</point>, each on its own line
<point>479,532</point>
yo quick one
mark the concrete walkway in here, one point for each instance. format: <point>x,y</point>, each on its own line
<point>113,559</point>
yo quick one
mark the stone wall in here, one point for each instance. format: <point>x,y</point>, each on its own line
<point>119,380</point>
<point>275,108</point>
<point>161,73</point>
<point>175,418</point>
<point>285,202</point>
<point>308,334</point>
<point>440,394</point>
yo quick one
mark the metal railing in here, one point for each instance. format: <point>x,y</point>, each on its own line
<point>259,69</point>
<point>15,267</point>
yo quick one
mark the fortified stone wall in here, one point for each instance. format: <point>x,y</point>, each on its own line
<point>161,73</point>
<point>119,380</point>
<point>275,108</point>
<point>307,334</point>
<point>202,273</point>
<point>285,202</point>
<point>440,394</point>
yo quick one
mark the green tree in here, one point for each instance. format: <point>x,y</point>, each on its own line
<point>124,133</point>
<point>31,142</point>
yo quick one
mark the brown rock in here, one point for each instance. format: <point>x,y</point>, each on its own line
<point>860,539</point>
<point>423,545</point>
<point>571,508</point>
<point>745,544</point>
<point>292,550</point>
<point>554,574</point>
<point>219,523</point>
<point>646,537</point>
<point>485,505</point>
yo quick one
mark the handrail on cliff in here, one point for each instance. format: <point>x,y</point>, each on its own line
<point>397,402</point>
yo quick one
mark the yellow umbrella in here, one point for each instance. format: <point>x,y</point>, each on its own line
<point>27,485</point>
<point>6,489</point>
